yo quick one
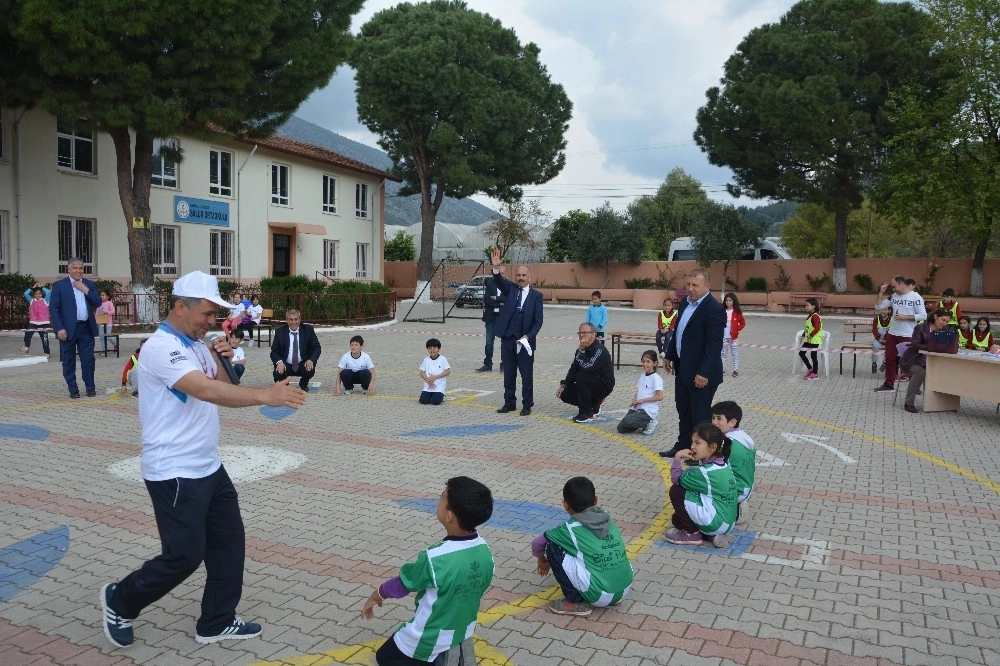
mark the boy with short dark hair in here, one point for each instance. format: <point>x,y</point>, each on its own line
<point>433,371</point>
<point>450,579</point>
<point>949,303</point>
<point>239,359</point>
<point>586,554</point>
<point>597,315</point>
<point>356,367</point>
<point>727,416</point>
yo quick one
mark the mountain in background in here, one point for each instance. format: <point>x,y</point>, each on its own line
<point>399,210</point>
<point>772,216</point>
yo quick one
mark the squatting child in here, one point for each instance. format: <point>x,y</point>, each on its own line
<point>645,403</point>
<point>727,416</point>
<point>597,315</point>
<point>38,321</point>
<point>356,367</point>
<point>703,495</point>
<point>433,371</point>
<point>450,579</point>
<point>586,554</point>
<point>128,374</point>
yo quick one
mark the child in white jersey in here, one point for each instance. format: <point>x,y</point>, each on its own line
<point>433,371</point>
<point>450,579</point>
<point>727,417</point>
<point>356,367</point>
<point>645,404</point>
<point>586,554</point>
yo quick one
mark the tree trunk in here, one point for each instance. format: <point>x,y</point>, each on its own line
<point>976,277</point>
<point>134,180</point>
<point>607,274</point>
<point>840,249</point>
<point>428,215</point>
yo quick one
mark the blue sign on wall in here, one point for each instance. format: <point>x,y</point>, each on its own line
<point>201,211</point>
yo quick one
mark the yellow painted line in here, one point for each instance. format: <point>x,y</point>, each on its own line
<point>363,654</point>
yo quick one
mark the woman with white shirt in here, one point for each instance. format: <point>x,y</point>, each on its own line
<point>251,318</point>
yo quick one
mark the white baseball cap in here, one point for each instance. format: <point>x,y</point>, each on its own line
<point>200,285</point>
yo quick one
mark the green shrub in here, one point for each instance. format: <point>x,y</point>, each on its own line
<point>639,283</point>
<point>15,283</point>
<point>817,283</point>
<point>865,282</point>
<point>781,282</point>
<point>756,284</point>
<point>110,286</point>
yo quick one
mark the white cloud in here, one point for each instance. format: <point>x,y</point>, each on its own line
<point>636,73</point>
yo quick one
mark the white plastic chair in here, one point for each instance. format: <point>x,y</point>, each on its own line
<point>822,351</point>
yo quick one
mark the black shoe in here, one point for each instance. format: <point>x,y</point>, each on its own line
<point>91,393</point>
<point>526,411</point>
<point>910,408</point>
<point>74,394</point>
<point>506,408</point>
<point>485,368</point>
<point>883,387</point>
<point>874,367</point>
<point>673,452</point>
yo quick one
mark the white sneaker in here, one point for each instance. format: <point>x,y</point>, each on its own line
<point>347,391</point>
<point>651,427</point>
<point>364,391</point>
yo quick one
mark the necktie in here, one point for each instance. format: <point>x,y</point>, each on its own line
<point>520,298</point>
<point>295,351</point>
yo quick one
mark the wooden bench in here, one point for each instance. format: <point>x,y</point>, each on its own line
<point>105,320</point>
<point>266,323</point>
<point>799,298</point>
<point>854,327</point>
<point>619,338</point>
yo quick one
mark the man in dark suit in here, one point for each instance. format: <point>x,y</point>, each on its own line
<point>295,350</point>
<point>517,325</point>
<point>71,310</point>
<point>694,355</point>
<point>492,301</point>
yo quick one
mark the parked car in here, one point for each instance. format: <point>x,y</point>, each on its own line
<point>770,248</point>
<point>472,292</point>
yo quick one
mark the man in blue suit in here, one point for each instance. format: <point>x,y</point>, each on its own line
<point>517,325</point>
<point>71,311</point>
<point>694,355</point>
<point>492,302</point>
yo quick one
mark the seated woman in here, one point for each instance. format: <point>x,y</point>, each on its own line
<point>914,363</point>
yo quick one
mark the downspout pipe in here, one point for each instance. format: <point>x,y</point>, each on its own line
<point>239,197</point>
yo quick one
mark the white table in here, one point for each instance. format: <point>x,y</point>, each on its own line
<point>952,376</point>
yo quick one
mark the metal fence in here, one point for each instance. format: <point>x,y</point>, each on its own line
<point>142,311</point>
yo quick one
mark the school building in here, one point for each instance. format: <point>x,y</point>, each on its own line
<point>238,208</point>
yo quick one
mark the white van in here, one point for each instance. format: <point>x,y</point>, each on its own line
<point>769,248</point>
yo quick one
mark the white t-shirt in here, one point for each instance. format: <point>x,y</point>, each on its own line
<point>237,311</point>
<point>180,434</point>
<point>646,387</point>
<point>908,304</point>
<point>363,362</point>
<point>238,354</point>
<point>435,366</point>
<point>255,312</point>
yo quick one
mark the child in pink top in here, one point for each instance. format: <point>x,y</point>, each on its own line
<point>38,316</point>
<point>107,307</point>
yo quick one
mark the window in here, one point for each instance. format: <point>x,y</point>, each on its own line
<point>4,236</point>
<point>361,200</point>
<point>221,253</point>
<point>164,168</point>
<point>75,148</point>
<point>362,261</point>
<point>165,249</point>
<point>329,194</point>
<point>279,184</point>
<point>76,239</point>
<point>330,248</point>
<point>220,177</point>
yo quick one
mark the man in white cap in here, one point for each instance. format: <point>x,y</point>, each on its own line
<point>194,501</point>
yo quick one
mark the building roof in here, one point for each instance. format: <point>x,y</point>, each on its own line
<point>314,153</point>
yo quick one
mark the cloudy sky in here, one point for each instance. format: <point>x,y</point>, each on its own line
<point>636,71</point>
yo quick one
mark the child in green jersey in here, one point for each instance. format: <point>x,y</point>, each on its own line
<point>727,416</point>
<point>586,554</point>
<point>450,579</point>
<point>704,494</point>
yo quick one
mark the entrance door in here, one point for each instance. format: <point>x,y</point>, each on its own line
<point>281,254</point>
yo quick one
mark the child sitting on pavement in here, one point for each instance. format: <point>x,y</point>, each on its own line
<point>645,404</point>
<point>433,371</point>
<point>450,579</point>
<point>727,417</point>
<point>586,554</point>
<point>703,495</point>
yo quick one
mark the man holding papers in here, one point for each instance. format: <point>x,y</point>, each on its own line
<point>517,326</point>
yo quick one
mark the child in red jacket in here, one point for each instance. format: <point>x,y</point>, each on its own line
<point>734,324</point>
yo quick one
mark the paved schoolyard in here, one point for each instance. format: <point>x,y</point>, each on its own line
<point>871,539</point>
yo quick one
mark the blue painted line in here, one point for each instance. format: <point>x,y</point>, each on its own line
<point>526,517</point>
<point>276,413</point>
<point>462,431</point>
<point>741,543</point>
<point>21,431</point>
<point>25,562</point>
